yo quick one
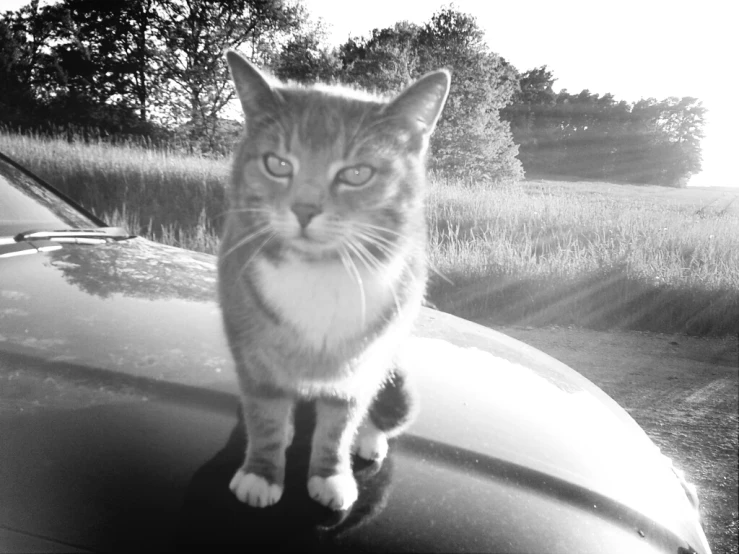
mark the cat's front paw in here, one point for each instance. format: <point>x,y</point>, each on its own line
<point>337,492</point>
<point>370,444</point>
<point>254,490</point>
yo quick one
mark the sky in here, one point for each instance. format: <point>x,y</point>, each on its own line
<point>631,48</point>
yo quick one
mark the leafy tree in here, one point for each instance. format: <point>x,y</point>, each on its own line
<point>90,82</point>
<point>386,61</point>
<point>121,64</point>
<point>23,62</point>
<point>72,59</point>
<point>672,130</point>
<point>470,137</point>
<point>16,95</point>
<point>536,86</point>
<point>589,136</point>
<point>191,57</point>
<point>304,59</point>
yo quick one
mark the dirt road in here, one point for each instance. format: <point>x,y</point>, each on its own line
<point>682,390</point>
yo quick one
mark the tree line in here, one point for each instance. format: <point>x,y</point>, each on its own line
<point>154,69</point>
<point>590,136</point>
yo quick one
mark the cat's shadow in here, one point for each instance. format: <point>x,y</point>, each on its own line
<point>212,516</point>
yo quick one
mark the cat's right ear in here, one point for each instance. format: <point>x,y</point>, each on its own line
<point>253,89</point>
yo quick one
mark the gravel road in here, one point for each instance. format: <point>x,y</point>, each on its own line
<point>682,390</point>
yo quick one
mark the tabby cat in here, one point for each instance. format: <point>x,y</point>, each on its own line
<point>322,271</point>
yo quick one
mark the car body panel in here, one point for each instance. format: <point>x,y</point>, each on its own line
<point>506,434</point>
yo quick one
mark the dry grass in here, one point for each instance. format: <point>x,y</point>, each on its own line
<point>535,253</point>
<point>594,255</point>
<point>155,193</point>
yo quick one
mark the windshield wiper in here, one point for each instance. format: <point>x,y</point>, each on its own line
<point>96,235</point>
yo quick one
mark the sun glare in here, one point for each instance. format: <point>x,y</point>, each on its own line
<point>719,149</point>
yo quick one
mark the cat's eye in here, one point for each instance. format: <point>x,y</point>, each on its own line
<point>356,175</point>
<point>276,166</point>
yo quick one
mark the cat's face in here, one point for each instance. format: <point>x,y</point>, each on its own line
<point>328,173</point>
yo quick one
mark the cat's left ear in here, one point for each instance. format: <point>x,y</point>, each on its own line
<point>254,91</point>
<point>423,101</point>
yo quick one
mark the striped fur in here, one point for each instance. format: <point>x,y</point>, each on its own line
<point>322,271</point>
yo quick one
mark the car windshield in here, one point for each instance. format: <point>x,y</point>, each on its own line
<point>26,205</point>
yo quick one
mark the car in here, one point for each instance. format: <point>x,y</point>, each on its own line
<point>120,425</point>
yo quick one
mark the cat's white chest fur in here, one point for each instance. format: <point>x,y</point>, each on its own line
<point>323,300</point>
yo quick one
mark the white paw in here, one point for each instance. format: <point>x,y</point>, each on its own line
<point>370,444</point>
<point>337,492</point>
<point>254,490</point>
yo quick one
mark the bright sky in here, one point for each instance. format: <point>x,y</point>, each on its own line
<point>630,48</point>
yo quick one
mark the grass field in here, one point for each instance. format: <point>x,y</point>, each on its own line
<point>595,255</point>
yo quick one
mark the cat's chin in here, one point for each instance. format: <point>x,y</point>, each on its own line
<point>313,250</point>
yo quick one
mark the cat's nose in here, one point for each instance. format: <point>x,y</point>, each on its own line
<point>305,212</point>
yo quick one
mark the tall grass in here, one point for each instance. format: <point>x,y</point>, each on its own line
<point>156,193</point>
<point>561,253</point>
<point>532,253</point>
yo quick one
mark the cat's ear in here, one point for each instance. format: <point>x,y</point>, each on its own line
<point>254,91</point>
<point>423,101</point>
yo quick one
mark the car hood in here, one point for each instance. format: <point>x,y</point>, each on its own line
<point>505,432</point>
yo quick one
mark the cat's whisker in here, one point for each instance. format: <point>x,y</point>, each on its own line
<point>377,232</point>
<point>377,267</point>
<point>343,256</point>
<point>374,233</point>
<point>351,267</point>
<point>354,247</point>
<point>246,240</point>
<point>383,274</point>
<point>367,239</point>
<point>433,268</point>
<point>372,240</point>
<point>271,235</point>
<point>370,234</point>
<point>365,225</point>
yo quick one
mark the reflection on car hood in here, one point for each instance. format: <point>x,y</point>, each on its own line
<point>145,310</point>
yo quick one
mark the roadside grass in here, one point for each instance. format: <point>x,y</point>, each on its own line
<point>533,253</point>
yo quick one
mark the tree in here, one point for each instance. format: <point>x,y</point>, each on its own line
<point>23,62</point>
<point>91,82</point>
<point>305,60</point>
<point>470,137</point>
<point>195,75</point>
<point>76,62</point>
<point>672,129</point>
<point>589,136</point>
<point>121,64</point>
<point>386,61</point>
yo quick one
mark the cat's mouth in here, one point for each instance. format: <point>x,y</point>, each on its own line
<point>311,246</point>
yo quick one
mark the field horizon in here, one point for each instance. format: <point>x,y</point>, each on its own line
<point>538,252</point>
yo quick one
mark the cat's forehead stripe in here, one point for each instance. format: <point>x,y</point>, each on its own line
<point>326,120</point>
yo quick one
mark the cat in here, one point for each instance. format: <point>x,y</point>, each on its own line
<point>322,271</point>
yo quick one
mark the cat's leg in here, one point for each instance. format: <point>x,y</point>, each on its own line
<point>330,478</point>
<point>268,418</point>
<point>390,413</point>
